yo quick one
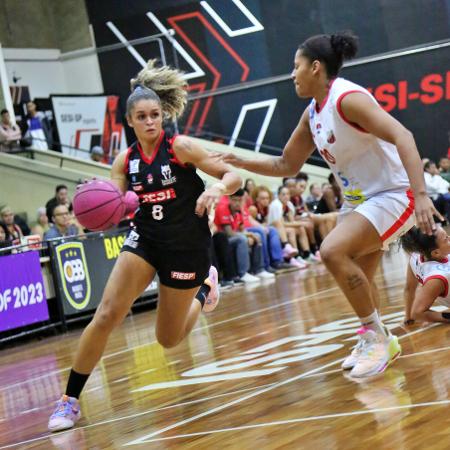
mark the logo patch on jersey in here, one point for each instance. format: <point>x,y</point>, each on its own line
<point>182,275</point>
<point>158,196</point>
<point>166,172</point>
<point>133,166</point>
<point>149,178</point>
<point>331,138</point>
<point>132,239</point>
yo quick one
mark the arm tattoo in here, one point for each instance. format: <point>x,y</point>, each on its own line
<point>277,166</point>
<point>354,281</point>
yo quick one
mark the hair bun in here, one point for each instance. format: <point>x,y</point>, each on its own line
<point>345,44</point>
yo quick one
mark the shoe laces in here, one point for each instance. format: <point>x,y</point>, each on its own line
<point>63,409</point>
<point>369,340</point>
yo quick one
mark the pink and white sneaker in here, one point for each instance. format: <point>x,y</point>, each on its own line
<point>66,414</point>
<point>299,263</point>
<point>289,251</point>
<point>214,294</point>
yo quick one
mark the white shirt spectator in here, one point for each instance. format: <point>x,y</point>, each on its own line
<point>277,211</point>
<point>435,185</point>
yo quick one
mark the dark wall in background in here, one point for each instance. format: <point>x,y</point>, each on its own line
<point>415,89</point>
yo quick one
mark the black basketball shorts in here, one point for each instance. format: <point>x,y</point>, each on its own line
<point>179,269</point>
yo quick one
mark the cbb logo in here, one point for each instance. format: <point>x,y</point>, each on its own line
<point>74,276</point>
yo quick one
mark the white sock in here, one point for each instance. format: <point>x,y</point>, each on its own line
<point>373,322</point>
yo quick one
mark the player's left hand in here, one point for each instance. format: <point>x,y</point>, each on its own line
<point>208,200</point>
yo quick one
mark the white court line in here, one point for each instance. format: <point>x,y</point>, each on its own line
<point>304,419</point>
<point>253,394</point>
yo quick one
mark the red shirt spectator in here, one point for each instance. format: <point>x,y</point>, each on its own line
<point>238,221</point>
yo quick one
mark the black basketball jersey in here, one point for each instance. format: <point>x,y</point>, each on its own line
<point>168,192</point>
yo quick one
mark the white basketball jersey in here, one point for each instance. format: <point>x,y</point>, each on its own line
<point>364,165</point>
<point>427,270</point>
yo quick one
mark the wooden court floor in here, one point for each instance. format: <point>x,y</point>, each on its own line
<point>260,372</point>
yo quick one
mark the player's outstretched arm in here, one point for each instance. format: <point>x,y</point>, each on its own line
<point>191,153</point>
<point>297,150</point>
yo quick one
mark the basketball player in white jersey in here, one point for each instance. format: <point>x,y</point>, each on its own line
<point>377,164</point>
<point>427,276</point>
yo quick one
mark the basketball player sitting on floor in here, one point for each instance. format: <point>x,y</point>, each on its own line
<point>428,275</point>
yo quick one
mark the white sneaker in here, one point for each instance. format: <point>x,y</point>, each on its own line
<point>66,414</point>
<point>351,359</point>
<point>313,259</point>
<point>377,353</point>
<point>296,263</point>
<point>302,261</point>
<point>249,278</point>
<point>264,275</point>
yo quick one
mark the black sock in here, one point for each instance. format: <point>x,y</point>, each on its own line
<point>446,315</point>
<point>76,384</point>
<point>203,293</point>
<point>283,244</point>
<point>305,254</point>
<point>314,248</point>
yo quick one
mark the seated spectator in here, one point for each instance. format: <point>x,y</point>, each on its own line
<point>262,197</point>
<point>282,210</point>
<point>332,197</point>
<point>10,134</point>
<point>4,237</point>
<point>246,246</point>
<point>223,258</point>
<point>268,236</point>
<point>97,153</point>
<point>296,188</point>
<point>313,199</point>
<point>444,168</point>
<point>42,224</point>
<point>61,198</point>
<point>37,127</point>
<point>63,225</point>
<point>249,186</point>
<point>14,232</point>
<point>437,188</point>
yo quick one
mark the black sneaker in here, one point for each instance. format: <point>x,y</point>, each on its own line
<point>271,270</point>
<point>283,266</point>
<point>237,281</point>
<point>226,284</point>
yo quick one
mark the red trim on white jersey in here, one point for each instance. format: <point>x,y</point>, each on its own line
<point>155,150</point>
<point>443,279</point>
<point>402,219</point>
<point>324,101</point>
<point>341,113</point>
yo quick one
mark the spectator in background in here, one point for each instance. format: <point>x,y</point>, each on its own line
<point>14,232</point>
<point>10,134</point>
<point>437,188</point>
<point>313,199</point>
<point>246,246</point>
<point>332,197</point>
<point>4,237</point>
<point>37,127</point>
<point>444,168</point>
<point>42,224</point>
<point>63,225</point>
<point>97,153</point>
<point>249,186</point>
<point>61,198</point>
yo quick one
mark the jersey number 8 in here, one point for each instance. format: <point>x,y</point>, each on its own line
<point>157,212</point>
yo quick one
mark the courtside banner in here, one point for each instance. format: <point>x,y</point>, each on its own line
<point>22,294</point>
<point>85,121</point>
<point>83,268</point>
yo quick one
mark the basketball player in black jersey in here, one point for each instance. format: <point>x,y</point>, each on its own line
<point>171,237</point>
